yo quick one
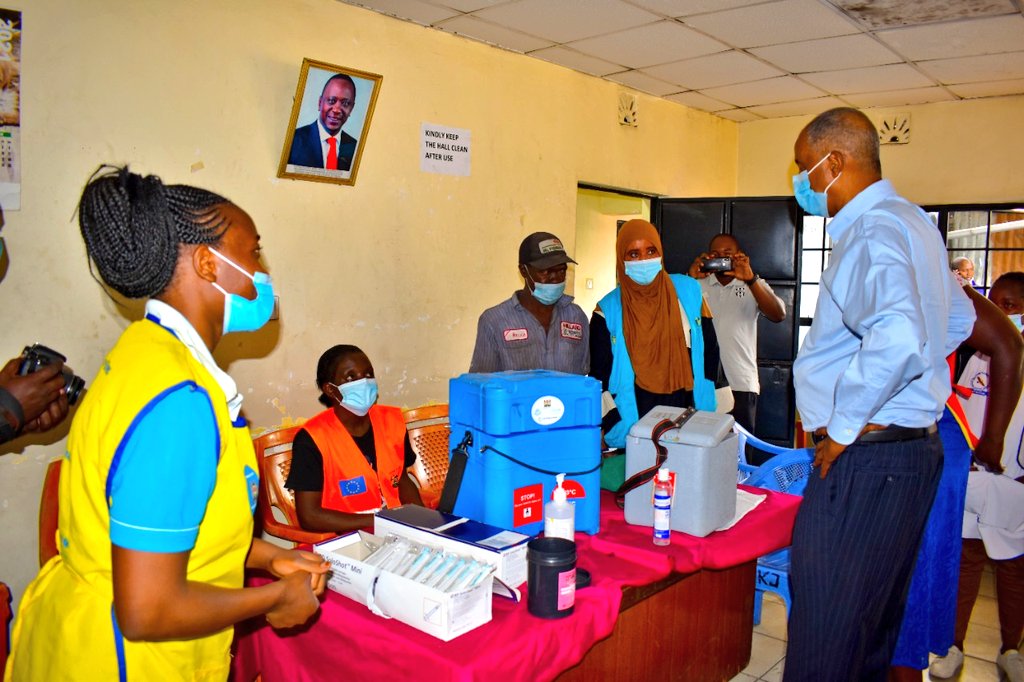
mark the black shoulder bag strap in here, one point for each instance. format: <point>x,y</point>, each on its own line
<point>642,477</point>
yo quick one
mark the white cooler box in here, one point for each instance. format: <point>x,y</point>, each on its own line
<point>702,453</point>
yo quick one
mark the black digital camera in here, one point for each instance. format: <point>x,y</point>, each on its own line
<point>37,355</point>
<point>723,264</point>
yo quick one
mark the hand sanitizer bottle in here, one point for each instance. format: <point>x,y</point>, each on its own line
<point>662,508</point>
<point>560,515</point>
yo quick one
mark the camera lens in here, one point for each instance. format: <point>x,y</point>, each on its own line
<point>73,384</point>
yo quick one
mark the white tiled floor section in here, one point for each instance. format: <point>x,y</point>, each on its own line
<point>768,655</point>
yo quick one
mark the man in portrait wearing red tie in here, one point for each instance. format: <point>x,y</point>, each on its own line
<point>322,144</point>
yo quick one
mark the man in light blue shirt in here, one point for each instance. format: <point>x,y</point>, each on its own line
<point>871,380</point>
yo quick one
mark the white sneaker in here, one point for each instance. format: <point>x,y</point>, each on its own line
<point>949,665</point>
<point>1011,666</point>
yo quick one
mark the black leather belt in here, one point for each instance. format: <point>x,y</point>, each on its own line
<point>890,434</point>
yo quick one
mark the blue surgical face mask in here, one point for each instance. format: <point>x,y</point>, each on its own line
<point>358,396</point>
<point>548,294</point>
<point>243,314</point>
<point>815,203</point>
<point>643,272</point>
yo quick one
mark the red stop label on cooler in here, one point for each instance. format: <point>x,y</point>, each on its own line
<point>574,490</point>
<point>527,505</point>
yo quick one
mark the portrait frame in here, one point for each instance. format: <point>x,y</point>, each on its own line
<point>303,156</point>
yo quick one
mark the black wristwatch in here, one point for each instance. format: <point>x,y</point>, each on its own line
<point>751,282</point>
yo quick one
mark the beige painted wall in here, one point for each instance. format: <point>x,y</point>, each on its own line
<point>959,152</point>
<point>401,264</point>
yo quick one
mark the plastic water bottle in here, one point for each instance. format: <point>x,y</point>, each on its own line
<point>560,514</point>
<point>662,508</point>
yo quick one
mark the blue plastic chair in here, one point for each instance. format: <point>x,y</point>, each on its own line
<point>787,471</point>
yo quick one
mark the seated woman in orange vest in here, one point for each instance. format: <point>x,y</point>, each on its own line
<point>351,459</point>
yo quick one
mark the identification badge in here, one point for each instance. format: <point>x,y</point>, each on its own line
<point>516,334</point>
<point>352,486</point>
<point>572,330</point>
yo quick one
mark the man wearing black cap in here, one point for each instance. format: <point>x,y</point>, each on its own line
<point>539,327</point>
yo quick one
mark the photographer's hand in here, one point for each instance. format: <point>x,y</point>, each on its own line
<point>698,263</point>
<point>741,267</point>
<point>40,394</point>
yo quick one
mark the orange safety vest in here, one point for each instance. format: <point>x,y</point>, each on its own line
<point>350,485</point>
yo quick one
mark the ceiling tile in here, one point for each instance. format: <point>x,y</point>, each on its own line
<point>567,20</point>
<point>828,54</point>
<point>871,79</point>
<point>989,89</point>
<point>643,82</point>
<point>957,38</point>
<point>683,8</point>
<point>697,101</point>
<point>413,10</point>
<point>993,67</point>
<point>802,107</point>
<point>471,27</point>
<point>786,21</point>
<point>768,91</point>
<point>895,98</point>
<point>467,5</point>
<point>738,115</point>
<point>665,41</point>
<point>886,13</point>
<point>723,68</point>
<point>575,60</point>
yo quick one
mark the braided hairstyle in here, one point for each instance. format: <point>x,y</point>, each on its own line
<point>328,365</point>
<point>133,227</point>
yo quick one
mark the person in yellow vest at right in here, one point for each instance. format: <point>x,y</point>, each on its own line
<point>351,459</point>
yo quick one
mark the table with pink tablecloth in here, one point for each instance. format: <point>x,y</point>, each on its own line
<point>346,641</point>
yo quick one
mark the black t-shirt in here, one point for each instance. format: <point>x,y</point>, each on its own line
<point>307,472</point>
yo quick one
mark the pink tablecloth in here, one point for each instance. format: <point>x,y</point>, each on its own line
<point>346,641</point>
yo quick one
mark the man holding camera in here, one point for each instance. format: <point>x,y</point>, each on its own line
<point>736,296</point>
<point>36,401</point>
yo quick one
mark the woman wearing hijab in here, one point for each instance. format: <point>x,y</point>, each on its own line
<point>651,338</point>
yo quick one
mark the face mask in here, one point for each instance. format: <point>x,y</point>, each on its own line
<point>243,314</point>
<point>358,396</point>
<point>815,203</point>
<point>548,294</point>
<point>643,272</point>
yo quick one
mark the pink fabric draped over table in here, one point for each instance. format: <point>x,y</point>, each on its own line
<point>346,641</point>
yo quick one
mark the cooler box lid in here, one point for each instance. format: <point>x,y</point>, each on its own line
<point>503,403</point>
<point>703,429</point>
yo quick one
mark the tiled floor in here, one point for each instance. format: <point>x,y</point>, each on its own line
<point>768,655</point>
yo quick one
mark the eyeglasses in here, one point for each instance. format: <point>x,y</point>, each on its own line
<point>345,103</point>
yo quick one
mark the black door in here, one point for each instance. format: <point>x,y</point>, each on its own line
<point>767,229</point>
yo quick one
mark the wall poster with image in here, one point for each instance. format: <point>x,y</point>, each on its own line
<point>10,110</point>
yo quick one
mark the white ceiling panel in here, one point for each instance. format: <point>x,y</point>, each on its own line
<point>772,23</point>
<point>896,98</point>
<point>993,67</point>
<point>665,41</point>
<point>738,115</point>
<point>471,27</point>
<point>713,70</point>
<point>467,5</point>
<point>413,10</point>
<point>888,13</point>
<point>871,79</point>
<point>958,38</point>
<point>782,89</point>
<point>567,20</point>
<point>804,107</point>
<point>644,83</point>
<point>575,60</point>
<point>696,100</point>
<point>684,8</point>
<point>989,89</point>
<point>828,54</point>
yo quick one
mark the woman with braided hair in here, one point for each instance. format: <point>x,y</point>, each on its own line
<point>159,479</point>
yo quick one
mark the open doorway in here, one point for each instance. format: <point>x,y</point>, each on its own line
<point>599,212</point>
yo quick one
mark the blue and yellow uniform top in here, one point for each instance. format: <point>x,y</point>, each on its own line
<point>154,463</point>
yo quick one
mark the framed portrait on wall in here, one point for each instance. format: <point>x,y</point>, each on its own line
<point>330,120</point>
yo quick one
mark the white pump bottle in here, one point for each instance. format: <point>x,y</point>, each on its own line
<point>560,514</point>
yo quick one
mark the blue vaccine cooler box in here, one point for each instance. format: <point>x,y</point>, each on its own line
<point>703,455</point>
<point>542,419</point>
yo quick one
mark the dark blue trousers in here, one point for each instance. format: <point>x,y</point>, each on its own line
<point>854,546</point>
